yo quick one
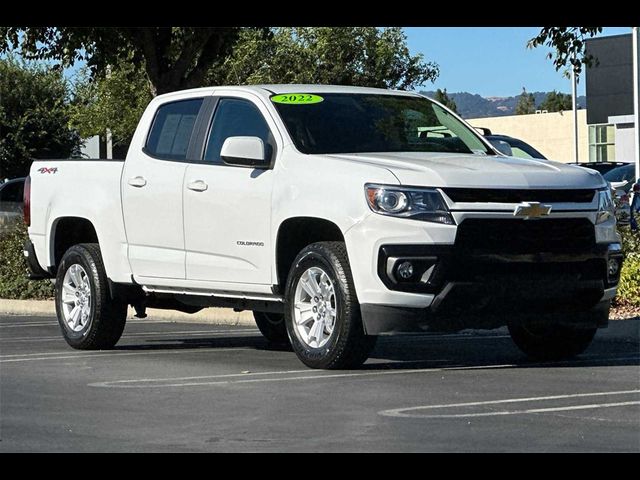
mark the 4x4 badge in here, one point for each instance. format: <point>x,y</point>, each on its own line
<point>527,210</point>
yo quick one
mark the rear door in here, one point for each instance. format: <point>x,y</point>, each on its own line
<point>152,192</point>
<point>227,209</point>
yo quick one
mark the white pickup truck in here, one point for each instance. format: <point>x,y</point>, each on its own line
<point>335,214</point>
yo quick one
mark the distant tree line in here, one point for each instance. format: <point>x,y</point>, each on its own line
<point>43,115</point>
<point>554,102</point>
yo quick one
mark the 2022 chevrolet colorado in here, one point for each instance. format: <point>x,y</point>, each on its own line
<point>335,214</point>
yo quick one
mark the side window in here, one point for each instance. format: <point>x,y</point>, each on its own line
<point>172,128</point>
<point>11,197</point>
<point>235,118</point>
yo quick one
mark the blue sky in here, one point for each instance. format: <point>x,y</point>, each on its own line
<point>490,61</point>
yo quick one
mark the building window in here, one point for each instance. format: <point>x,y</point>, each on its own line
<point>602,143</point>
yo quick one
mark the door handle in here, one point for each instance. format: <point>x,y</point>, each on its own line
<point>137,182</point>
<point>197,186</point>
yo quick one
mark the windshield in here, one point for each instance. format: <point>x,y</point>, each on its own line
<point>357,123</point>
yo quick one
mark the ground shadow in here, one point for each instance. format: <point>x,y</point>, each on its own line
<point>486,350</point>
<point>256,342</point>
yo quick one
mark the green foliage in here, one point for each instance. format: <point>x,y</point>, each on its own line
<point>442,97</point>
<point>526,103</point>
<point>629,287</point>
<point>557,102</point>
<point>34,116</point>
<point>363,56</point>
<point>114,101</point>
<point>568,44</point>
<point>174,58</point>
<point>13,281</point>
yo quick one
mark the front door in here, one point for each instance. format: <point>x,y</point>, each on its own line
<point>227,209</point>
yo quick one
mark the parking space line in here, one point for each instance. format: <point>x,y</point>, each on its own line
<point>533,410</point>
<point>407,412</point>
<point>245,332</point>
<point>112,354</point>
<point>321,374</point>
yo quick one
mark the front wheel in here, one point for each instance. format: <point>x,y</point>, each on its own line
<point>557,338</point>
<point>322,314</point>
<point>89,318</point>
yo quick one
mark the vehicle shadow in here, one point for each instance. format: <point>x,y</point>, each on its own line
<point>256,342</point>
<point>459,351</point>
<point>619,345</point>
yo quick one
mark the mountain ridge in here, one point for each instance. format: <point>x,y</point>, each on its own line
<point>472,105</point>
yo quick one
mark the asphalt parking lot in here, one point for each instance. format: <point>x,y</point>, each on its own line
<point>197,387</point>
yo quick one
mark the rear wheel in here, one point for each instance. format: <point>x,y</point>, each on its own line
<point>322,313</point>
<point>272,326</point>
<point>89,318</point>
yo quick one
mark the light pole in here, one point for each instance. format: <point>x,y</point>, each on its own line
<point>574,99</point>
<point>636,99</point>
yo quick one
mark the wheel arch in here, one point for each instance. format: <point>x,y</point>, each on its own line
<point>68,231</point>
<point>293,235</point>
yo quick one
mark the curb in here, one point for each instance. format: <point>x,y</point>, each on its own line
<point>627,329</point>
<point>212,316</point>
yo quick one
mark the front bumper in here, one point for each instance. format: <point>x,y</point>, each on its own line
<point>472,277</point>
<point>480,289</point>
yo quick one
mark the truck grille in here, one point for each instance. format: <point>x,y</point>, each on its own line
<point>518,236</point>
<point>473,195</point>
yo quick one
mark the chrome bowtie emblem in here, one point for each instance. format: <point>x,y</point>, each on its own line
<point>527,210</point>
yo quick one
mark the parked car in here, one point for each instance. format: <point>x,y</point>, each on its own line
<point>510,146</point>
<point>518,148</point>
<point>621,180</point>
<point>622,177</point>
<point>336,214</point>
<point>602,167</point>
<point>11,203</point>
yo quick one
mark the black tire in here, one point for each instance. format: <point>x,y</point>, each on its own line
<point>107,316</point>
<point>348,346</point>
<point>559,336</point>
<point>272,326</point>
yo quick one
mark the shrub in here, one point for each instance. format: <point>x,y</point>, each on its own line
<point>13,280</point>
<point>629,288</point>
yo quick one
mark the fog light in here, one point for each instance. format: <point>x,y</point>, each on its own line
<point>405,270</point>
<point>614,266</point>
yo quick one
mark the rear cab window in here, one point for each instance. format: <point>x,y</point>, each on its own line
<point>172,129</point>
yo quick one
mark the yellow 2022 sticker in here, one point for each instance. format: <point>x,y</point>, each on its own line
<point>297,98</point>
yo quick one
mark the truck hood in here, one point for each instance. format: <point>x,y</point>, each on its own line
<point>479,171</point>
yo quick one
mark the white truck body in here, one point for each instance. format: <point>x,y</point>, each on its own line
<point>194,228</point>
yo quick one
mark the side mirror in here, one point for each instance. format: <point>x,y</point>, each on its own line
<point>244,152</point>
<point>503,147</point>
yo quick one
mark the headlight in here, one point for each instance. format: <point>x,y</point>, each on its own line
<point>606,209</point>
<point>424,204</point>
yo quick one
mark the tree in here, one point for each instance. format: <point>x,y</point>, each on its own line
<point>568,44</point>
<point>34,117</point>
<point>173,58</point>
<point>113,102</point>
<point>526,103</point>
<point>364,56</point>
<point>557,102</point>
<point>443,98</point>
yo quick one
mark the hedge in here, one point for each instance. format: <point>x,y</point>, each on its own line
<point>13,281</point>
<point>629,287</point>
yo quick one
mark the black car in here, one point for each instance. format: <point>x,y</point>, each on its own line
<point>11,203</point>
<point>601,167</point>
<point>513,147</point>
